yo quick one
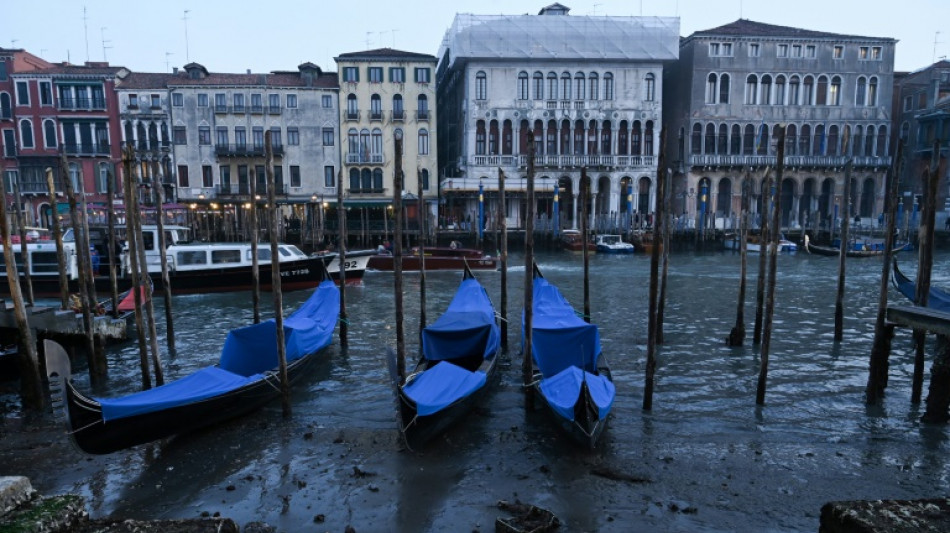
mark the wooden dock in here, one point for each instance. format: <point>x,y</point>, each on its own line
<point>54,322</point>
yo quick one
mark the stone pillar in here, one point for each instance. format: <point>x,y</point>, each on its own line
<point>574,208</point>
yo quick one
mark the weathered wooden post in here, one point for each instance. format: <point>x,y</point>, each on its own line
<point>255,260</point>
<point>585,198</point>
<point>86,245</point>
<point>652,322</point>
<point>526,363</point>
<point>764,238</point>
<point>397,261</point>
<point>938,396</point>
<point>341,251</point>
<point>136,221</point>
<point>128,162</point>
<point>883,334</point>
<point>737,335</point>
<point>843,252</point>
<point>162,247</point>
<point>503,259</point>
<point>97,369</point>
<point>31,386</point>
<point>113,280</point>
<point>422,258</point>
<point>773,267</point>
<point>275,274</point>
<point>925,262</point>
<point>58,235</point>
<point>662,204</point>
<point>24,254</point>
<point>667,229</point>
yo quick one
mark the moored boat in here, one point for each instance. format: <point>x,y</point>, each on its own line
<point>571,240</point>
<point>436,258</point>
<point>937,298</point>
<point>754,244</point>
<point>245,378</point>
<point>458,360</point>
<point>570,373</point>
<point>858,248</point>
<point>613,244</point>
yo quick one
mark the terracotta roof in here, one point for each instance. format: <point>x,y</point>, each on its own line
<point>384,54</point>
<point>80,70</point>
<point>745,27</point>
<point>146,80</point>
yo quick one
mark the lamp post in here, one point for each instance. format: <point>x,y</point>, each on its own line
<point>481,210</point>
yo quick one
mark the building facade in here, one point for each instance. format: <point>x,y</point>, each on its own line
<point>585,90</point>
<point>145,118</point>
<point>71,110</point>
<point>736,84</point>
<point>922,117</point>
<point>385,94</point>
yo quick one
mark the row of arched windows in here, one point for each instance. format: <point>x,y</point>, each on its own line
<point>366,146</point>
<point>580,86</point>
<point>817,140</point>
<point>566,137</point>
<point>146,138</point>
<point>779,89</point>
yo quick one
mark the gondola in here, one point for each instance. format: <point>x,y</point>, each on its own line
<point>458,360</point>
<point>853,251</point>
<point>244,379</point>
<point>937,299</point>
<point>569,372</point>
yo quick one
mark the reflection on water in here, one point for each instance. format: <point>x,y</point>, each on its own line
<point>704,401</point>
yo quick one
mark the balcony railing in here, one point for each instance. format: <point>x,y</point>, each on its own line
<point>376,115</point>
<point>422,114</point>
<point>27,187</point>
<point>221,108</point>
<point>352,115</point>
<point>257,110</point>
<point>369,190</point>
<point>87,149</point>
<point>84,103</point>
<point>366,159</point>
<point>244,189</point>
<point>245,150</point>
<point>273,110</point>
<point>240,109</point>
<point>399,116</point>
<point>809,161</point>
<point>567,161</point>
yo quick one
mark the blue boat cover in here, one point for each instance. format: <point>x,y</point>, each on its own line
<point>248,353</point>
<point>938,299</point>
<point>560,338</point>
<point>467,328</point>
<point>440,386</point>
<point>563,389</point>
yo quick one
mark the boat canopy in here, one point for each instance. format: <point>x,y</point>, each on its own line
<point>564,388</point>
<point>560,338</point>
<point>248,354</point>
<point>466,329</point>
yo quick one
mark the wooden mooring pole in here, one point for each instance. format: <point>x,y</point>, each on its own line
<point>397,261</point>
<point>128,163</point>
<point>422,258</point>
<point>255,260</point>
<point>60,254</point>
<point>843,252</point>
<point>653,322</point>
<point>341,250</point>
<point>659,230</point>
<point>504,258</point>
<point>585,217</point>
<point>526,363</point>
<point>162,245</point>
<point>113,256</point>
<point>883,333</point>
<point>24,255</point>
<point>773,267</point>
<point>764,206</point>
<point>97,367</point>
<point>275,274</point>
<point>925,262</point>
<point>737,335</point>
<point>31,386</point>
<point>136,221</point>
<point>667,230</point>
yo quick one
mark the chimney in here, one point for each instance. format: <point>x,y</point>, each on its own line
<point>174,70</point>
<point>248,71</point>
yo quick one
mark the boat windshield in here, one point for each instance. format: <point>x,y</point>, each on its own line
<point>611,239</point>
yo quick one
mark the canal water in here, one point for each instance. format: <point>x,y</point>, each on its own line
<point>706,458</point>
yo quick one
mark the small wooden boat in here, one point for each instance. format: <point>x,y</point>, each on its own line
<point>244,379</point>
<point>643,241</point>
<point>571,240</point>
<point>937,299</point>
<point>857,249</point>
<point>570,374</point>
<point>754,244</point>
<point>459,356</point>
<point>436,258</point>
<point>612,244</point>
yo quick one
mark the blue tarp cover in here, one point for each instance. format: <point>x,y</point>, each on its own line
<point>560,338</point>
<point>938,299</point>
<point>562,391</point>
<point>248,353</point>
<point>440,386</point>
<point>467,328</point>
